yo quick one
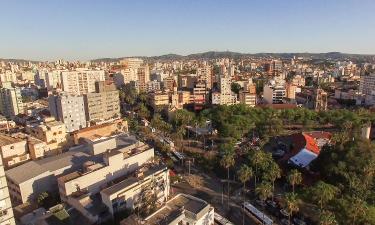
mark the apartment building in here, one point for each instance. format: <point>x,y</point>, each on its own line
<point>128,155</point>
<point>247,98</point>
<point>205,74</point>
<point>28,180</point>
<point>81,81</point>
<point>103,104</point>
<point>52,132</point>
<point>181,209</point>
<point>100,131</point>
<point>6,211</point>
<point>13,151</point>
<point>158,99</point>
<point>274,92</point>
<point>69,109</point>
<point>143,77</point>
<point>135,192</point>
<point>10,101</point>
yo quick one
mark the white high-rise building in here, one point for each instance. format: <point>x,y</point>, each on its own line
<point>10,101</point>
<point>6,211</point>
<point>69,109</point>
<point>81,81</point>
<point>274,92</point>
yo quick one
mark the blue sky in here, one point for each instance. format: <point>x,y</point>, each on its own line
<point>88,29</point>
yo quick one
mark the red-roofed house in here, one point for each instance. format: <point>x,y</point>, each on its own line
<point>307,147</point>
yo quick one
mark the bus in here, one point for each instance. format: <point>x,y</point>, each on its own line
<point>263,218</point>
<point>221,220</point>
<point>179,155</point>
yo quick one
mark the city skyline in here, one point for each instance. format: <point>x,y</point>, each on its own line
<point>86,30</point>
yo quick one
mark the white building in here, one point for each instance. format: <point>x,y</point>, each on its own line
<point>81,81</point>
<point>274,92</point>
<point>6,211</point>
<point>10,101</point>
<point>69,109</point>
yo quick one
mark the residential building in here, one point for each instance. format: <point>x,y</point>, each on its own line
<point>159,99</point>
<point>52,132</point>
<point>135,192</point>
<point>6,211</point>
<point>13,151</point>
<point>247,98</point>
<point>69,109</point>
<point>274,92</point>
<point>28,180</point>
<point>100,131</point>
<point>205,74</point>
<point>181,209</point>
<point>81,81</point>
<point>10,101</point>
<point>122,156</point>
<point>143,73</point>
<point>320,99</point>
<point>104,104</point>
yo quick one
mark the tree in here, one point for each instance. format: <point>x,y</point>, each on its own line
<point>321,193</point>
<point>272,174</point>
<point>235,87</point>
<point>227,161</point>
<point>294,178</point>
<point>257,160</point>
<point>327,218</point>
<point>291,203</point>
<point>264,191</point>
<point>128,94</point>
<point>244,174</point>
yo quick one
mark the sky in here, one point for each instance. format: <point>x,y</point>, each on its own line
<point>90,29</point>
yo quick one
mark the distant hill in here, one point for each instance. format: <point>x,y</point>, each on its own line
<point>237,55</point>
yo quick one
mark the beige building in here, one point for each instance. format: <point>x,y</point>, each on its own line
<point>81,81</point>
<point>6,211</point>
<point>13,151</point>
<point>50,131</point>
<point>247,98</point>
<point>159,99</point>
<point>102,130</point>
<point>104,104</point>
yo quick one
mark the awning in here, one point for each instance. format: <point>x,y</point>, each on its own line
<point>303,158</point>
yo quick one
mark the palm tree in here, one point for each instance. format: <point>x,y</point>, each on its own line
<point>322,193</point>
<point>264,191</point>
<point>244,174</point>
<point>294,178</point>
<point>291,203</point>
<point>227,161</point>
<point>257,159</point>
<point>272,174</point>
<point>327,218</point>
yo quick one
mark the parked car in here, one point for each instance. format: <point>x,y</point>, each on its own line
<point>260,203</point>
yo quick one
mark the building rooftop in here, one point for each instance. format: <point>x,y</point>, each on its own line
<point>132,180</point>
<point>7,140</point>
<point>53,163</point>
<point>172,210</point>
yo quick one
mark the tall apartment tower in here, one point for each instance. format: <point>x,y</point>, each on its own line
<point>81,81</point>
<point>69,109</point>
<point>6,211</point>
<point>143,73</point>
<point>10,101</point>
<point>205,74</point>
<point>104,104</point>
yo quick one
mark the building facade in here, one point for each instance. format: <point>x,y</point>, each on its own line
<point>68,109</point>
